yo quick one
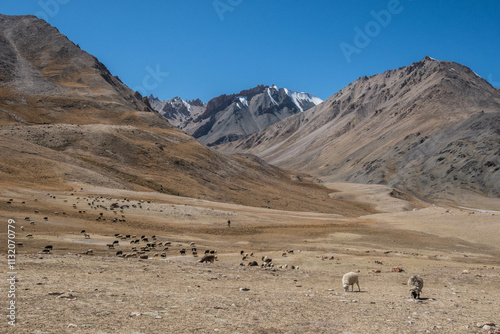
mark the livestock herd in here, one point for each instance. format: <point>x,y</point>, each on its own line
<point>159,248</point>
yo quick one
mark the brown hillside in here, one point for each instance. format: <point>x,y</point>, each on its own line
<point>66,121</point>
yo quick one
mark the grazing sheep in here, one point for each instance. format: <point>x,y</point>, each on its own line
<point>22,228</point>
<point>350,279</point>
<point>119,253</point>
<point>208,258</point>
<point>253,264</point>
<point>49,247</point>
<point>195,253</point>
<point>183,251</point>
<point>111,246</point>
<point>415,284</point>
<point>87,236</point>
<point>242,252</point>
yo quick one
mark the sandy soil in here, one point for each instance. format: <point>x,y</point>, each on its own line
<point>456,252</point>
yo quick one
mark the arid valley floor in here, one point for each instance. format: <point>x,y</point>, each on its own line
<point>456,251</point>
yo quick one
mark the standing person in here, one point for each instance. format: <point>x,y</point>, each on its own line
<point>228,223</point>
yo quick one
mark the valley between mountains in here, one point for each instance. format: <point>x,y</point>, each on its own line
<point>114,199</point>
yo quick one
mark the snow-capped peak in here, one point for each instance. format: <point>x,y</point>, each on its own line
<point>299,98</point>
<point>269,93</point>
<point>188,106</point>
<point>243,100</point>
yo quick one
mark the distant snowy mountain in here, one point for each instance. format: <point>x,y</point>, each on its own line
<point>177,110</point>
<point>228,118</point>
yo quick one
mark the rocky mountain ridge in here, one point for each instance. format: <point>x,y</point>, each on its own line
<point>66,122</point>
<point>431,128</point>
<point>230,117</point>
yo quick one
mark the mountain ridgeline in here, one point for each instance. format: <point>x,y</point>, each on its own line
<point>66,122</point>
<point>431,128</point>
<point>231,117</point>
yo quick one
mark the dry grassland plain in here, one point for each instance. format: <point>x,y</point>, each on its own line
<point>455,251</point>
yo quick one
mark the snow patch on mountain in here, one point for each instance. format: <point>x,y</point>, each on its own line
<point>301,98</point>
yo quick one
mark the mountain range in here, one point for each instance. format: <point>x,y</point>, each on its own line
<point>66,122</point>
<point>431,128</point>
<point>231,117</point>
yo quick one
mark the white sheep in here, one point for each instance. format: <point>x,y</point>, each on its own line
<point>350,279</point>
<point>415,284</point>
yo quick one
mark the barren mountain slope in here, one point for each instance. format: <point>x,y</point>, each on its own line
<point>66,121</point>
<point>431,128</point>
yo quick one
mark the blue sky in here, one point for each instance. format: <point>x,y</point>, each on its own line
<point>204,48</point>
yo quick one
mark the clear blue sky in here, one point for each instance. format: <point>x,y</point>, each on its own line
<point>212,47</point>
